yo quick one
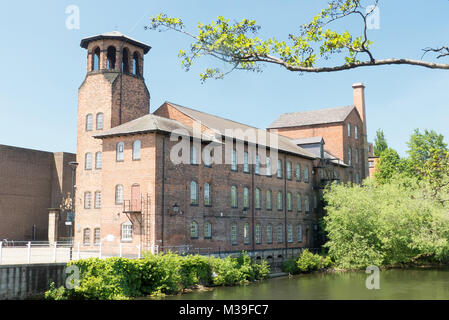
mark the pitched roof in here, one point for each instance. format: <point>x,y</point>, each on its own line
<point>310,140</point>
<point>305,118</point>
<point>220,126</point>
<point>149,123</point>
<point>115,35</point>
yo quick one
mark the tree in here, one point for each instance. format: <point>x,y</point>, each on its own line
<point>424,146</point>
<point>388,166</point>
<point>380,143</point>
<point>237,43</point>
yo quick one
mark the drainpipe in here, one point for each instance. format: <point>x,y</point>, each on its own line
<point>253,211</point>
<point>163,191</point>
<point>285,205</point>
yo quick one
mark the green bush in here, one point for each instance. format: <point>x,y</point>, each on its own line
<point>290,266</point>
<point>120,278</point>
<point>308,262</point>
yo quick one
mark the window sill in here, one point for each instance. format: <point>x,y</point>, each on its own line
<point>194,204</point>
<point>126,240</point>
<point>194,238</point>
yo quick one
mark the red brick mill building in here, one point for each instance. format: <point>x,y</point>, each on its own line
<point>237,187</point>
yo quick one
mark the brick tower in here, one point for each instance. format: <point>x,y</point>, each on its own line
<point>113,92</point>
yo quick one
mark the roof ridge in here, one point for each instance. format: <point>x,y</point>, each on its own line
<point>327,109</point>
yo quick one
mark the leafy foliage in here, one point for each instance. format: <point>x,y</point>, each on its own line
<point>306,262</point>
<point>120,278</point>
<point>380,143</point>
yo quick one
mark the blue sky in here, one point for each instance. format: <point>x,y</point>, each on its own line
<point>43,66</point>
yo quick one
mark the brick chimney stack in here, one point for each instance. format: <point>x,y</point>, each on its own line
<point>359,103</point>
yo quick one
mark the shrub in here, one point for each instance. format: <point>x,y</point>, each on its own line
<point>290,266</point>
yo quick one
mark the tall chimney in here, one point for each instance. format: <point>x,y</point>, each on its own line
<point>359,103</point>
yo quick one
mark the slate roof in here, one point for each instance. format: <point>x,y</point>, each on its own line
<point>115,35</point>
<point>150,123</point>
<point>219,125</point>
<point>305,118</point>
<point>311,140</point>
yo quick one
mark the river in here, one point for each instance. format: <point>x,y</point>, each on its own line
<point>394,284</point>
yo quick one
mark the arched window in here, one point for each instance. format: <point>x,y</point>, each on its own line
<point>136,66</point>
<point>245,162</point>
<point>111,58</point>
<point>258,234</point>
<point>120,151</point>
<point>86,237</point>
<point>89,120</point>
<point>279,200</point>
<point>298,172</point>
<point>246,233</point>
<point>193,192</point>
<point>306,204</point>
<point>306,174</point>
<point>207,201</point>
<point>257,167</point>
<point>125,60</point>
<point>98,160</point>
<point>298,202</point>
<point>97,236</point>
<point>88,161</point>
<point>289,233</point>
<point>136,150</point>
<point>119,194</point>
<point>299,233</point>
<point>258,198</point>
<point>356,132</point>
<point>349,156</point>
<point>127,231</point>
<point>280,233</point>
<point>100,117</point>
<point>245,197</point>
<point>234,203</point>
<point>289,201</point>
<point>234,234</point>
<point>96,59</point>
<point>268,201</point>
<point>194,230</point>
<point>279,168</point>
<point>207,230</point>
<point>356,156</point>
<point>87,200</point>
<point>289,170</point>
<point>269,234</point>
<point>97,203</point>
<point>193,155</point>
<point>349,129</point>
<point>234,160</point>
<point>268,169</point>
<point>357,178</point>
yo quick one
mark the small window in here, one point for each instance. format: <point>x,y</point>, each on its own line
<point>193,155</point>
<point>269,234</point>
<point>258,234</point>
<point>97,199</point>
<point>136,150</point>
<point>298,202</point>
<point>299,233</point>
<point>257,198</point>
<point>306,204</point>
<point>371,164</point>
<point>87,200</point>
<point>298,172</point>
<point>97,237</point>
<point>88,161</point>
<point>207,201</point>
<point>357,178</point>
<point>234,160</point>
<point>98,160</point>
<point>246,233</point>
<point>279,171</point>
<point>119,194</point>
<point>315,202</point>
<point>86,237</point>
<point>349,156</point>
<point>245,198</point>
<point>306,174</point>
<point>268,169</point>
<point>289,170</point>
<point>289,201</point>
<point>279,200</point>
<point>207,230</point>
<point>194,230</point>
<point>356,156</point>
<point>289,233</point>
<point>100,121</point>
<point>356,132</point>
<point>268,201</point>
<point>127,231</point>
<point>257,167</point>
<point>234,234</point>
<point>280,234</point>
<point>120,151</point>
<point>349,129</point>
<point>193,193</point>
<point>234,203</point>
<point>89,122</point>
<point>96,59</point>
<point>245,162</point>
